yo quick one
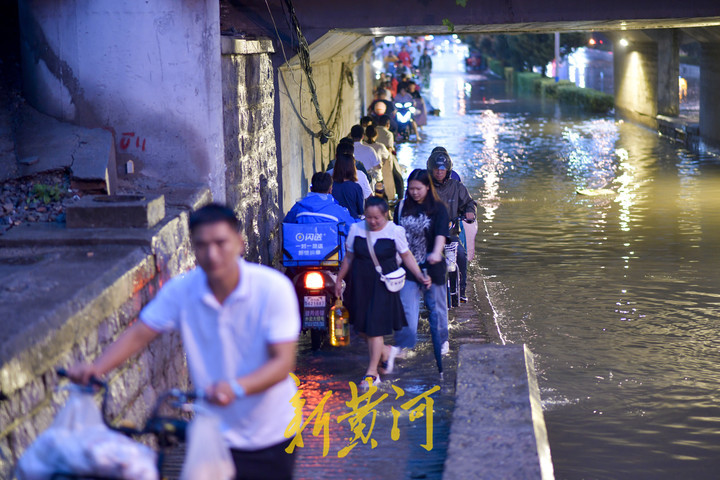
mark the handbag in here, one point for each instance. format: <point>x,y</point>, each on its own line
<point>395,280</point>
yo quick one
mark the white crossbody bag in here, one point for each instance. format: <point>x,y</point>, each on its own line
<point>395,280</point>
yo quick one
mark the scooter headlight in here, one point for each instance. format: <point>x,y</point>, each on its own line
<point>408,104</point>
<point>314,281</point>
<point>398,105</point>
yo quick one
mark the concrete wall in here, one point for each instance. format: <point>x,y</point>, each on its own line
<point>498,428</point>
<point>147,71</point>
<point>251,175</point>
<point>636,82</point>
<point>668,96</point>
<point>87,300</point>
<point>303,154</point>
<point>709,92</point>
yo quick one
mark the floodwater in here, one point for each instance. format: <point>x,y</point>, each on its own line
<point>618,295</point>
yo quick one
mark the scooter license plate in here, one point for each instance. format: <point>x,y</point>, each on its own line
<point>315,302</point>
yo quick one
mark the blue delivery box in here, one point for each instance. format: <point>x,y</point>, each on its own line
<point>312,244</point>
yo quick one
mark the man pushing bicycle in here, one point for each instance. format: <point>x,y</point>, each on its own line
<point>239,324</point>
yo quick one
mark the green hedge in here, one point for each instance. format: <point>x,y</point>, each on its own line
<point>549,87</point>
<point>496,66</point>
<point>585,99</point>
<point>565,91</point>
<point>524,81</point>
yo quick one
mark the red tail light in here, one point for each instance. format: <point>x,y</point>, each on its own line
<point>314,281</point>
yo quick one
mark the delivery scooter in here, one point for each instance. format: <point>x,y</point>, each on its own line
<point>312,254</point>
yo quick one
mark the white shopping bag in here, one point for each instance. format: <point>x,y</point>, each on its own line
<point>78,442</point>
<point>208,456</point>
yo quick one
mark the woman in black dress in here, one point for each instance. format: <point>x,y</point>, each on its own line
<point>374,310</point>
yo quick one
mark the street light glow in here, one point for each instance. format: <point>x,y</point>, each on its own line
<point>624,42</point>
<point>390,39</point>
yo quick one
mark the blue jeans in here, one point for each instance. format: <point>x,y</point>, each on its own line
<point>435,302</point>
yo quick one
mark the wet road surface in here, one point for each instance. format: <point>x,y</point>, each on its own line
<point>332,368</point>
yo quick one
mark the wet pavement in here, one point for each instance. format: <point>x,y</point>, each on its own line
<point>413,454</point>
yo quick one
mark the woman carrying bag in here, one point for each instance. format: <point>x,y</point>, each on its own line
<point>374,309</point>
<point>425,219</point>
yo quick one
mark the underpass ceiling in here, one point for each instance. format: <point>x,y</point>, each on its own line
<point>706,24</point>
<point>372,18</point>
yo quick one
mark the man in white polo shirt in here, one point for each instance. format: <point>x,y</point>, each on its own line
<point>239,324</point>
<point>365,154</point>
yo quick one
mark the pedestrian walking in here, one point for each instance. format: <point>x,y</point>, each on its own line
<point>425,220</point>
<point>239,324</point>
<point>365,154</point>
<point>346,190</point>
<point>459,203</point>
<point>386,160</point>
<point>375,311</point>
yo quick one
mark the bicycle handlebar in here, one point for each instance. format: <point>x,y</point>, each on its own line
<point>462,217</point>
<point>94,381</point>
<point>181,397</point>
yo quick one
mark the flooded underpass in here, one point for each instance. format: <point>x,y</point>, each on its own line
<point>616,294</point>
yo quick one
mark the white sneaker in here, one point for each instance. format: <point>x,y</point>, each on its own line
<point>445,349</point>
<point>390,363</point>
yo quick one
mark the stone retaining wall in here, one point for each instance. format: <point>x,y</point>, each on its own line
<point>69,308</point>
<point>251,175</point>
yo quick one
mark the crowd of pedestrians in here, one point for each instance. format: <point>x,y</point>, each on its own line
<point>365,175</point>
<point>240,321</point>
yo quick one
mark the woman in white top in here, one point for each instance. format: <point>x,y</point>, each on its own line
<point>374,310</point>
<point>385,160</point>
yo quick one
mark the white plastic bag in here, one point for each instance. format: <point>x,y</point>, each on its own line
<point>208,456</point>
<point>79,442</point>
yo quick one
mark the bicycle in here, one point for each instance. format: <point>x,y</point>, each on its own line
<point>453,276</point>
<point>451,251</point>
<point>170,432</point>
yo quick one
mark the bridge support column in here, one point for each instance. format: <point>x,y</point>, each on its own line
<point>668,70</point>
<point>636,73</point>
<point>709,93</point>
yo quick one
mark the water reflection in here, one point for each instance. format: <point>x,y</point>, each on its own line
<point>491,165</point>
<point>617,295</point>
<point>460,109</point>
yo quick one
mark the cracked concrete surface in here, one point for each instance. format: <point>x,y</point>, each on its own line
<point>45,144</point>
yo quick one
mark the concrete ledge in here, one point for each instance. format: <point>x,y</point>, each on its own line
<point>48,308</point>
<point>59,283</point>
<point>498,430</point>
<point>64,297</point>
<point>240,46</point>
<point>53,234</point>
<point>116,211</point>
